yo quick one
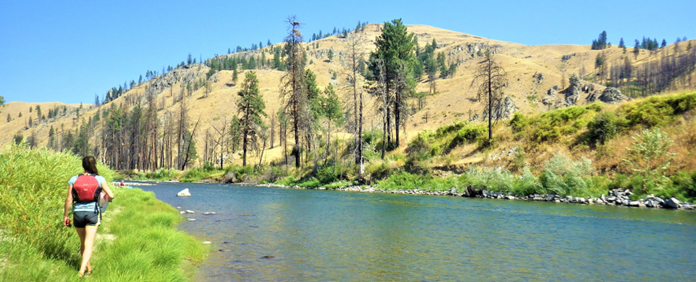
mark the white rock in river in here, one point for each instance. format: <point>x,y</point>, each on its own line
<point>207,242</point>
<point>191,219</point>
<point>184,193</point>
<point>190,211</point>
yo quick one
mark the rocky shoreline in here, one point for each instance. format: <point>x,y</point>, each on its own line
<point>615,197</point>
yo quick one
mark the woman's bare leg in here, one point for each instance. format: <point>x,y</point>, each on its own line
<point>87,240</point>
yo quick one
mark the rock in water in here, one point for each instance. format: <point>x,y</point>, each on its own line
<point>207,242</point>
<point>184,193</point>
<point>612,95</point>
<point>672,203</point>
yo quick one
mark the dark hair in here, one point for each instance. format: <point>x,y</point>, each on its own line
<point>89,163</point>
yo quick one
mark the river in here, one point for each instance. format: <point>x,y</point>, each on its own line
<point>273,234</point>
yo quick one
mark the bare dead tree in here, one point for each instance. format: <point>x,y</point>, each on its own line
<point>293,91</point>
<point>355,57</point>
<point>490,77</point>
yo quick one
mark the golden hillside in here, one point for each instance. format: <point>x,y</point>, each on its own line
<point>454,99</point>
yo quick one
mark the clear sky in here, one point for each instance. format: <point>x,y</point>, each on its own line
<point>68,51</point>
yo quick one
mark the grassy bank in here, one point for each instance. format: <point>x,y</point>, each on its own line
<point>137,242</point>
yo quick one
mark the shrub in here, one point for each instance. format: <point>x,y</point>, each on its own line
<point>162,174</point>
<point>527,184</point>
<point>494,179</point>
<point>602,128</point>
<point>564,176</point>
<point>649,157</point>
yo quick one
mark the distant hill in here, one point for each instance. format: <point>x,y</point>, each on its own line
<point>532,71</point>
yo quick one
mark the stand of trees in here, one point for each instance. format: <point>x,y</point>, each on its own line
<point>670,71</point>
<point>392,63</point>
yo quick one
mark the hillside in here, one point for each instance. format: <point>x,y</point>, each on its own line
<point>532,71</point>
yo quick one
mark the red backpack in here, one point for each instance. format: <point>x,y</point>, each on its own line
<point>86,189</point>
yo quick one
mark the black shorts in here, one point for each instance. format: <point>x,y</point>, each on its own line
<point>85,218</point>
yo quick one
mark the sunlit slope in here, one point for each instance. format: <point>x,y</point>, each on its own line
<point>454,99</point>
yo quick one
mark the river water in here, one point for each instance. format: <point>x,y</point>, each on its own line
<point>272,234</point>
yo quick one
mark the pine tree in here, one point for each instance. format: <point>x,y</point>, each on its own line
<point>250,106</point>
<point>395,47</point>
<point>636,49</point>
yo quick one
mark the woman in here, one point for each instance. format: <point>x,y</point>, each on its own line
<point>84,190</point>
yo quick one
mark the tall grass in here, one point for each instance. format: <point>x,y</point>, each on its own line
<point>34,246</point>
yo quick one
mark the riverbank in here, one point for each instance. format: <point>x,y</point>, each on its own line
<point>138,240</point>
<point>615,197</point>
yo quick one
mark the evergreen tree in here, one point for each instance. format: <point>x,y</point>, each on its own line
<point>636,49</point>
<point>395,47</point>
<point>664,43</point>
<point>9,118</point>
<point>250,106</point>
<point>331,54</point>
<point>332,111</point>
<point>442,64</point>
<point>236,132</point>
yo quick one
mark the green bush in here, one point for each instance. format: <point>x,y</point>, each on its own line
<point>493,179</point>
<point>658,110</point>
<point>563,176</point>
<point>603,127</point>
<point>527,184</point>
<point>162,174</point>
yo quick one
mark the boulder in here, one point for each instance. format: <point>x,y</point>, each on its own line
<point>191,219</point>
<point>593,97</point>
<point>453,191</point>
<point>190,211</point>
<point>209,213</point>
<point>573,91</point>
<point>230,177</point>
<point>549,100</point>
<point>612,95</point>
<point>184,193</point>
<point>672,203</point>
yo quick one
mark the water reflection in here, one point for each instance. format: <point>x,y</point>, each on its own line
<point>341,236</point>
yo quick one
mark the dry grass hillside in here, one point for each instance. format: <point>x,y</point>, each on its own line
<point>453,101</point>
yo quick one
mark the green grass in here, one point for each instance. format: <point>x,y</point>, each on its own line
<point>34,246</point>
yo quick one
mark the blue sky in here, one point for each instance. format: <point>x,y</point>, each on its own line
<point>68,51</point>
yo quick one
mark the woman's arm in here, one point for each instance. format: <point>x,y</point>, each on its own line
<point>106,189</point>
<point>68,204</point>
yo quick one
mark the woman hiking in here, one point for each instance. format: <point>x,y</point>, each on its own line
<point>84,190</point>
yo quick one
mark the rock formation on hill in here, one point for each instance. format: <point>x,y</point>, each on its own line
<point>612,95</point>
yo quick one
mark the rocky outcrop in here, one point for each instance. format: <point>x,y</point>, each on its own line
<point>612,95</point>
<point>538,78</point>
<point>184,74</point>
<point>573,91</point>
<point>503,111</point>
<point>593,97</point>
